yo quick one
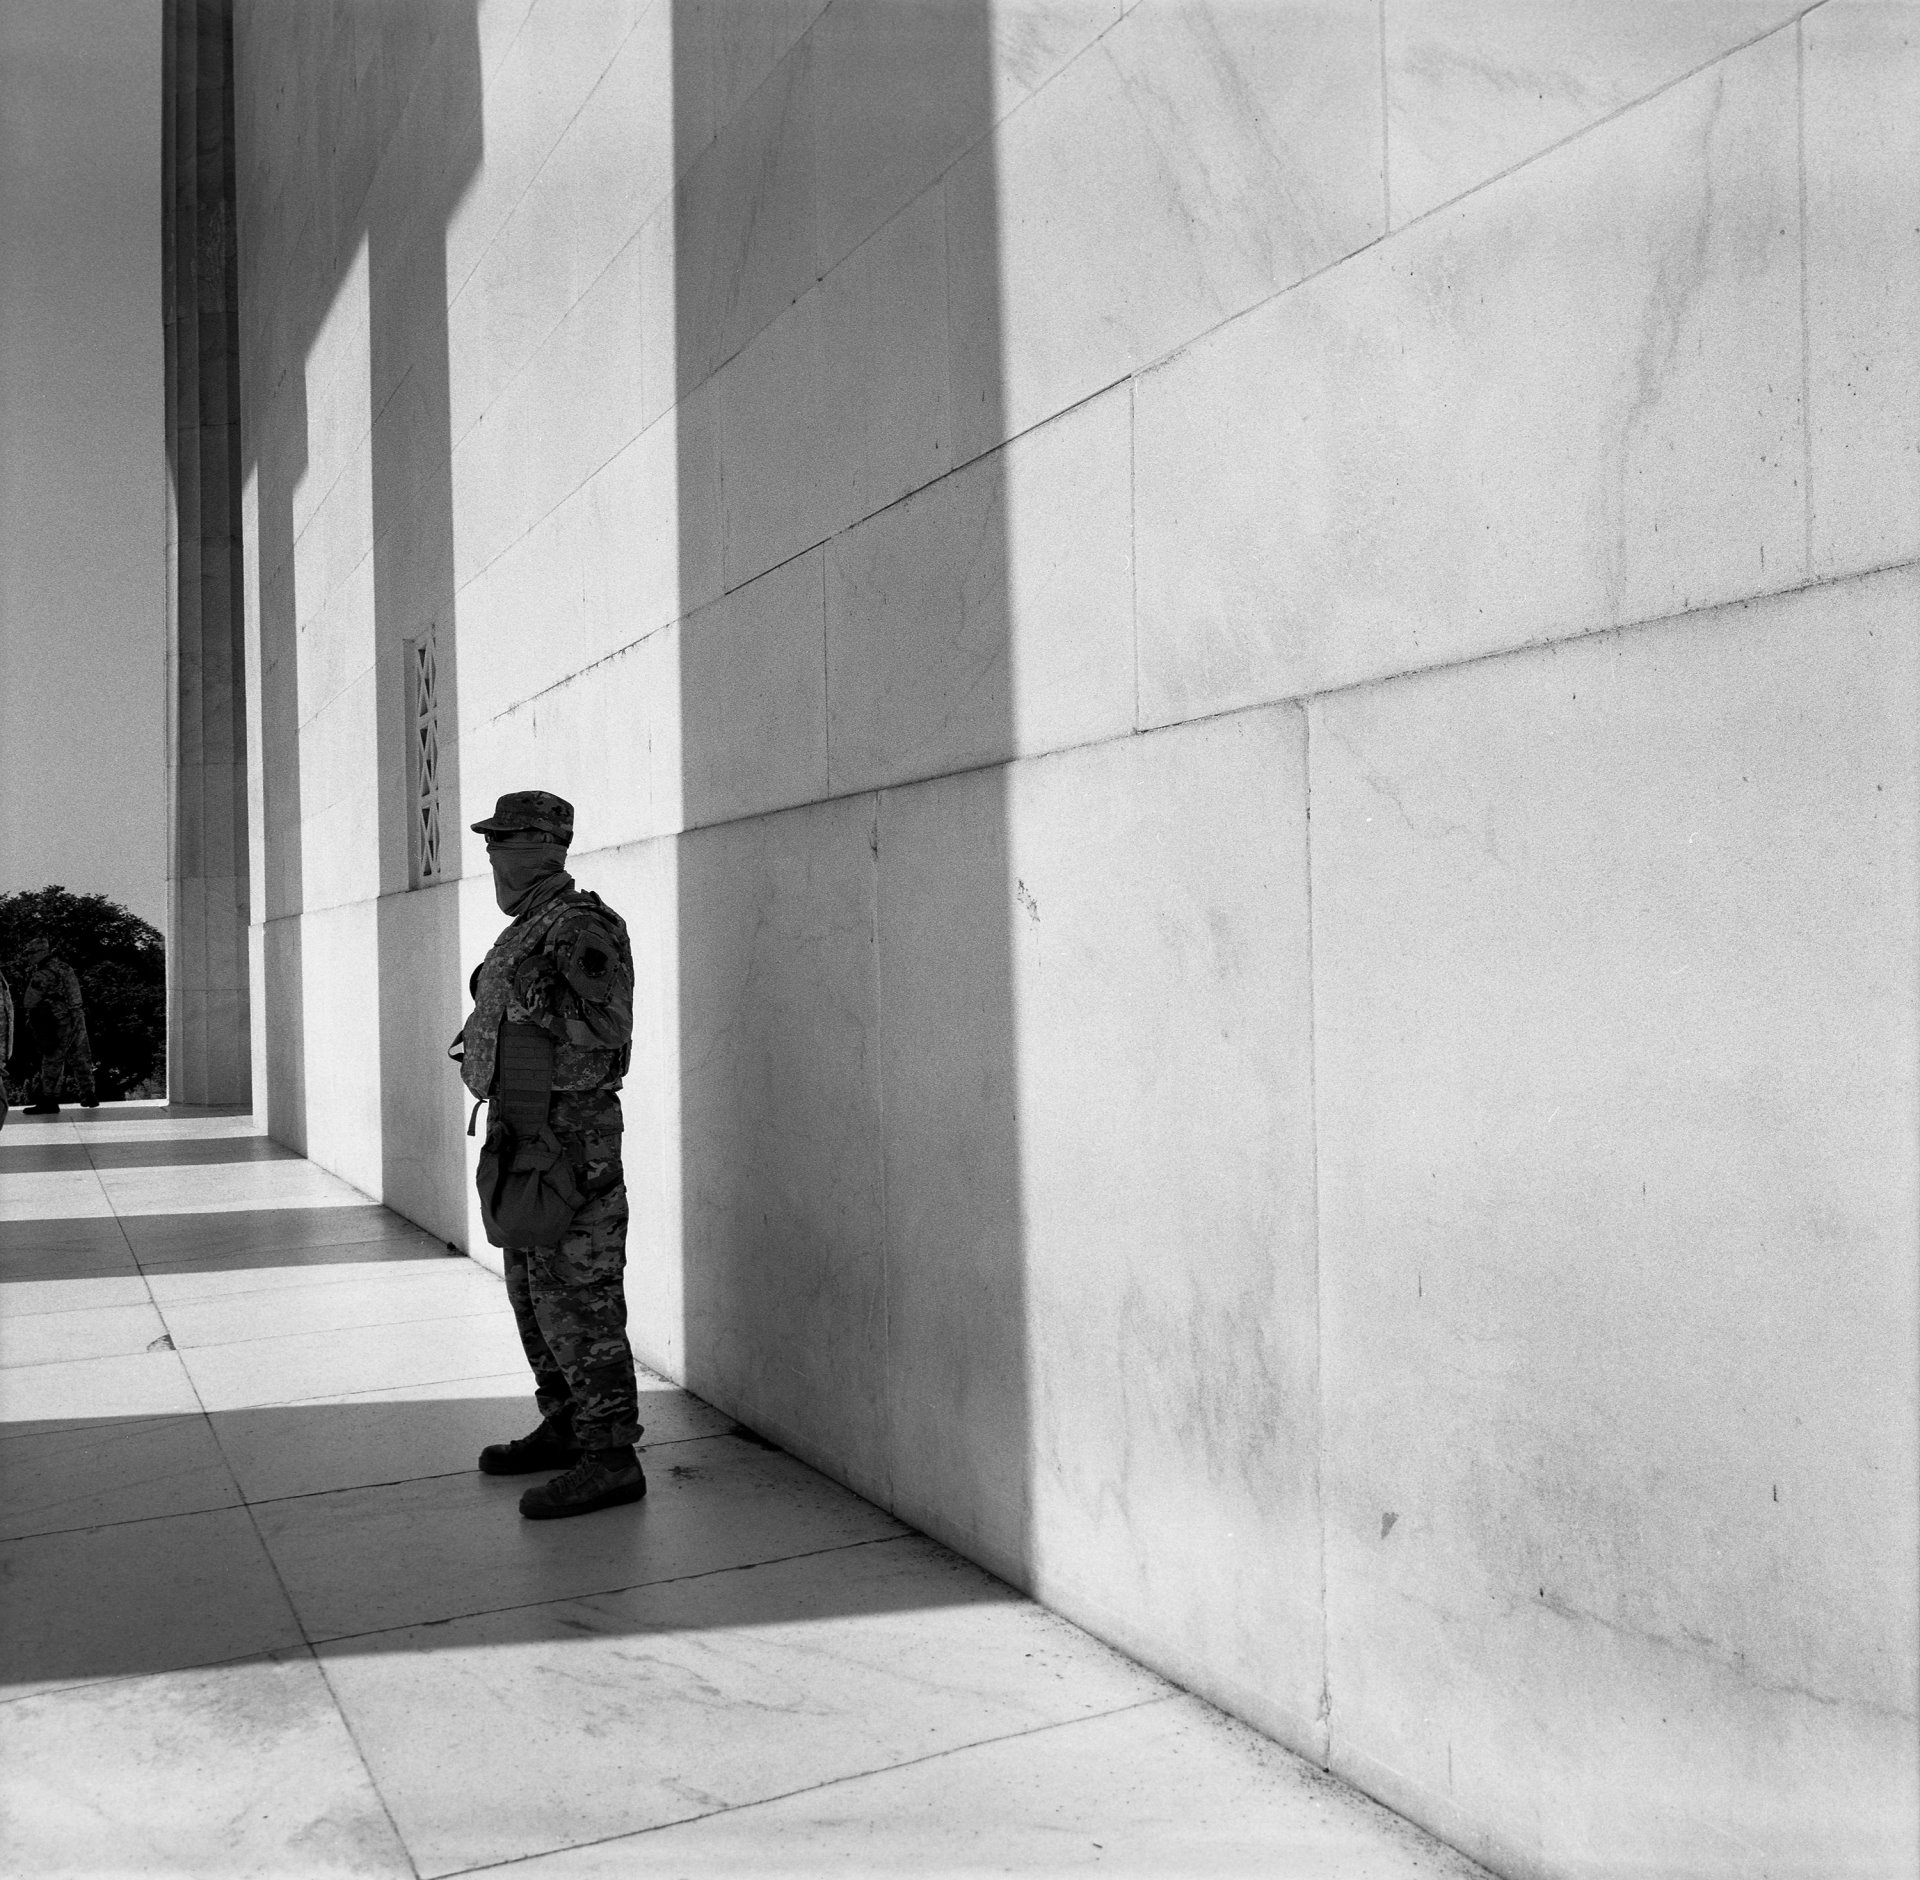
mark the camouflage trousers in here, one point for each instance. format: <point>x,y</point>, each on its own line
<point>65,1070</point>
<point>570,1301</point>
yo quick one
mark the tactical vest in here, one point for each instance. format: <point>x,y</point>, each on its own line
<point>575,1067</point>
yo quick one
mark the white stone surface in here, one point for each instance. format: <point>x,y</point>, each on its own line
<point>1568,402</point>
<point>27,1298</point>
<point>1476,87</point>
<point>1615,1046</point>
<point>89,1331</point>
<point>750,734</point>
<point>1162,1026</point>
<point>549,66</point>
<point>958,1377</point>
<point>223,1187</point>
<point>236,1769</point>
<point>334,1299</point>
<point>661,351</point>
<point>293,1366</point>
<point>990,615</point>
<point>831,1665</point>
<point>779,1131</point>
<point>338,1041</point>
<point>139,1596</point>
<point>571,409</point>
<point>714,1507</point>
<point>744,221</point>
<point>93,1473</point>
<point>609,168</point>
<point>1196,159</point>
<point>903,91</point>
<point>1862,79</point>
<point>422,1003</point>
<point>51,1194</point>
<point>1217,1800</point>
<point>145,1384</point>
<point>1156,969</point>
<point>840,406</point>
<point>722,54</point>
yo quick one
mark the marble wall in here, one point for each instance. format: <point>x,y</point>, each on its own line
<point>1223,657</point>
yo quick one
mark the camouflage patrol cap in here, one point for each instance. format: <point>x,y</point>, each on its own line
<point>538,810</point>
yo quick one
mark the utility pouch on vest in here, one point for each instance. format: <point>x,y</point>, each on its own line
<point>528,1196</point>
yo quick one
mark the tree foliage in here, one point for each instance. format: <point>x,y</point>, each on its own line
<point>121,961</point>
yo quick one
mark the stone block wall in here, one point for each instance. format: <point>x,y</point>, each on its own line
<point>1248,676</point>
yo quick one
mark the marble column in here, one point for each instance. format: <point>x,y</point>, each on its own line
<point>208,1055</point>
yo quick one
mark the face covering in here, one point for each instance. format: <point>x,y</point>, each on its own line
<point>517,872</point>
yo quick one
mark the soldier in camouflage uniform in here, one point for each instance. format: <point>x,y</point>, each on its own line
<point>564,965</point>
<point>6,1044</point>
<point>58,1020</point>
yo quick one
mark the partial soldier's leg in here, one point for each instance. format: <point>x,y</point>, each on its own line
<point>579,1297</point>
<point>550,1389</point>
<point>48,1079</point>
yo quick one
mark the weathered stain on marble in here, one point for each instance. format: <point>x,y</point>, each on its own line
<point>779,1126</point>
<point>1475,87</point>
<point>1194,160</point>
<point>1608,1107</point>
<point>989,616</point>
<point>1863,285</point>
<point>1163,1097</point>
<point>236,1768</point>
<point>1568,401</point>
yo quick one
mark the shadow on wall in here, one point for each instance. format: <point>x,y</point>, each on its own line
<point>352,465</point>
<point>850,1216</point>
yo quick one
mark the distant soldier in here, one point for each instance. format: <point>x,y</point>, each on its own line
<point>546,1046</point>
<point>58,1021</point>
<point>6,1044</point>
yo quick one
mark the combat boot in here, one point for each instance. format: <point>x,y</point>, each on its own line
<point>42,1108</point>
<point>602,1478</point>
<point>551,1446</point>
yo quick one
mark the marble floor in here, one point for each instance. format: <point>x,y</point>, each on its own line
<point>263,1617</point>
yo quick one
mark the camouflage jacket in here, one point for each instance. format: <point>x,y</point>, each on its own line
<point>52,996</point>
<point>565,964</point>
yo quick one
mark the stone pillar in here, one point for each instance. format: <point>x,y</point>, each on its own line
<point>208,1054</point>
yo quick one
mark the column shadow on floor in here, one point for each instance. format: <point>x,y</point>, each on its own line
<point>154,1516</point>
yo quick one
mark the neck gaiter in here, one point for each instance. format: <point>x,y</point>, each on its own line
<point>517,872</point>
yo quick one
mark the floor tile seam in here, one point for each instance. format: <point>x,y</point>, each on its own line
<point>236,1506</point>
<point>283,1193</point>
<point>9,1695</point>
<point>187,1261</point>
<point>431,1475</point>
<point>113,1357</point>
<point>496,1310</point>
<point>361,1757</point>
<point>102,1527</point>
<point>375,1393</point>
<point>829,1782</point>
<point>66,1426</point>
<point>333,1640</point>
<point>321,1285</point>
<point>365,1325</point>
